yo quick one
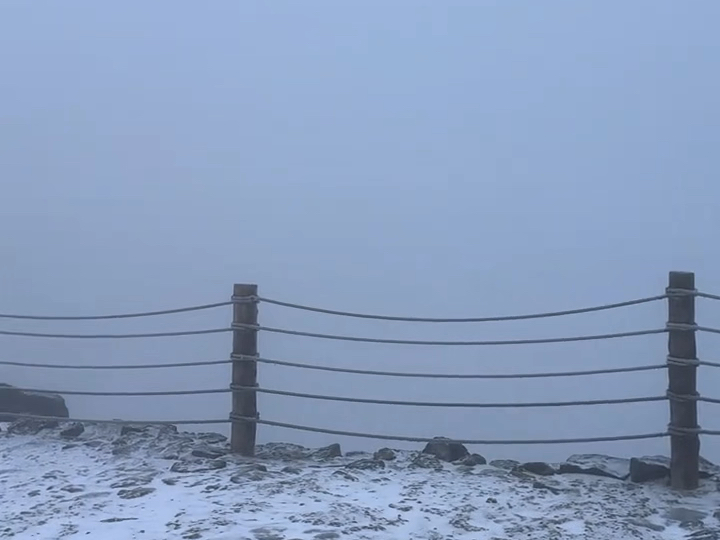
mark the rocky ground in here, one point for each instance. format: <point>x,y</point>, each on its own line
<point>153,483</point>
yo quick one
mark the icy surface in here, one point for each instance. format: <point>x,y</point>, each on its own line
<point>161,485</point>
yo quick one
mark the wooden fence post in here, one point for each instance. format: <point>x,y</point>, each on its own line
<point>244,371</point>
<point>682,382</point>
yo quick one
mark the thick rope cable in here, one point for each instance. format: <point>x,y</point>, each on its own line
<point>116,336</point>
<point>708,329</point>
<point>115,366</point>
<point>708,296</point>
<point>462,319</point>
<point>115,316</point>
<point>235,418</point>
<point>709,400</point>
<point>709,364</point>
<point>124,394</point>
<point>114,422</point>
<point>240,389</point>
<point>710,432</point>
<point>263,360</point>
<point>447,343</point>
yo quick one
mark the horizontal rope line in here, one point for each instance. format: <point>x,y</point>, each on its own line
<point>452,375</point>
<point>116,336</point>
<point>115,366</point>
<point>708,329</point>
<point>463,319</point>
<point>462,441</point>
<point>139,393</point>
<point>710,364</point>
<point>238,388</point>
<point>710,432</point>
<point>445,343</point>
<point>116,422</point>
<point>115,316</point>
<point>709,400</point>
<point>708,296</point>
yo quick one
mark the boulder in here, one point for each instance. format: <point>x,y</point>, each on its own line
<point>16,401</point>
<point>385,454</point>
<point>446,450</point>
<point>537,467</point>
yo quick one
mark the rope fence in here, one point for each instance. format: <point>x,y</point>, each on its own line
<point>681,365</point>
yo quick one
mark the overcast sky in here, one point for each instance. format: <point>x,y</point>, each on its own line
<point>404,157</point>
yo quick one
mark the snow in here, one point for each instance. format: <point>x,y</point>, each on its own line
<point>112,487</point>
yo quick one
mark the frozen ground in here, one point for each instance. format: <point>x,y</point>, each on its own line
<point>156,484</point>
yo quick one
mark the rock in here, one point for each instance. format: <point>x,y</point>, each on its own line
<point>132,430</point>
<point>211,438</point>
<point>367,465</point>
<point>646,470</point>
<point>209,452</point>
<point>135,493</point>
<point>426,461</point>
<point>540,485</point>
<point>291,470</point>
<point>252,473</point>
<point>345,475</point>
<point>328,452</point>
<point>537,467</point>
<point>31,427</point>
<point>286,451</point>
<point>14,400</point>
<point>385,454</point>
<point>684,515</point>
<point>73,431</point>
<point>506,464</point>
<point>597,465</point>
<point>131,482</point>
<point>446,450</point>
<point>639,522</point>
<point>198,465</point>
<point>473,460</point>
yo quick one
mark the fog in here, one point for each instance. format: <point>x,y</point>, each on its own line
<point>409,158</point>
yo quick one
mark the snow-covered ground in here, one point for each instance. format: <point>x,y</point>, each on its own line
<point>147,484</point>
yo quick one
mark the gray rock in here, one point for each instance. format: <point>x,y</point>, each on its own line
<point>286,451</point>
<point>367,465</point>
<point>73,431</point>
<point>638,522</point>
<point>506,464</point>
<point>135,493</point>
<point>133,430</point>
<point>291,470</point>
<point>212,438</point>
<point>537,467</point>
<point>425,461</point>
<point>14,401</point>
<point>647,470</point>
<point>209,452</point>
<point>31,427</point>
<point>541,485</point>
<point>684,515</point>
<point>328,452</point>
<point>131,482</point>
<point>597,465</point>
<point>345,475</point>
<point>473,460</point>
<point>446,450</point>
<point>385,454</point>
<point>196,466</point>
